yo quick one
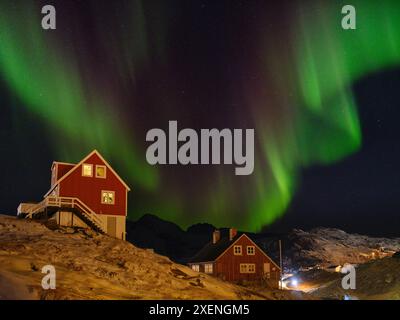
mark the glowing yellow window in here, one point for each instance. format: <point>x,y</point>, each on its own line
<point>196,267</point>
<point>247,268</point>
<point>101,172</point>
<point>237,250</point>
<point>108,197</point>
<point>208,268</point>
<point>87,170</point>
<point>251,268</point>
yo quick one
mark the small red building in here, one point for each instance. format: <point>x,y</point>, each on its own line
<point>87,194</point>
<point>236,257</point>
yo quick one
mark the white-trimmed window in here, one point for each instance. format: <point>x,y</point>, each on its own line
<point>208,268</point>
<point>251,250</point>
<point>195,267</point>
<point>247,268</point>
<point>101,171</point>
<point>87,170</point>
<point>107,197</point>
<point>251,268</point>
<point>237,250</point>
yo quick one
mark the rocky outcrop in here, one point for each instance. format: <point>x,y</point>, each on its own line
<point>166,238</point>
<point>375,280</point>
<point>328,246</point>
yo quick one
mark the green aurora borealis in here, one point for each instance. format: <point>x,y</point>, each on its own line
<point>303,108</point>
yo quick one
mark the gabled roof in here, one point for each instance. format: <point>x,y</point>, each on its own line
<point>76,166</point>
<point>212,252</point>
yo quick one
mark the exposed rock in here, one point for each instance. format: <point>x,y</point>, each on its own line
<point>327,246</point>
<point>34,267</point>
<point>51,224</point>
<point>378,279</point>
<point>167,238</point>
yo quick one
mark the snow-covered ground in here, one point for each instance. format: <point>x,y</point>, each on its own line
<point>375,280</point>
<point>93,266</point>
<point>327,248</point>
<point>313,261</point>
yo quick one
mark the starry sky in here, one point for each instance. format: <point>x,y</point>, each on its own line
<point>323,102</point>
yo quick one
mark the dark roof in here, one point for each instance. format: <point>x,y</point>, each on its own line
<point>211,251</point>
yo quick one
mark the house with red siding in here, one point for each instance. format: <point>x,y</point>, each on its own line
<point>236,257</point>
<point>87,194</point>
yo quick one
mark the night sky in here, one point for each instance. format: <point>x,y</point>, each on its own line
<point>324,103</point>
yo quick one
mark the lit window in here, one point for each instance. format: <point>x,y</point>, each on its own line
<point>195,267</point>
<point>87,170</point>
<point>251,250</point>
<point>208,268</point>
<point>251,268</point>
<point>247,268</point>
<point>101,172</point>
<point>108,197</point>
<point>237,250</point>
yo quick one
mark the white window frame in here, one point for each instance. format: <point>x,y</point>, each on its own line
<point>253,266</point>
<point>105,171</point>
<point>208,268</point>
<point>253,250</point>
<point>83,170</point>
<point>247,268</point>
<point>107,191</point>
<point>240,252</point>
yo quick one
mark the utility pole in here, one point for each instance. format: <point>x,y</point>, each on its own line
<point>280,264</point>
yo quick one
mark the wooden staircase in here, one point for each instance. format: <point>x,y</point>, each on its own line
<point>51,205</point>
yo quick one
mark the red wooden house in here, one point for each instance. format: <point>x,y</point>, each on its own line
<point>87,194</point>
<point>236,257</point>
